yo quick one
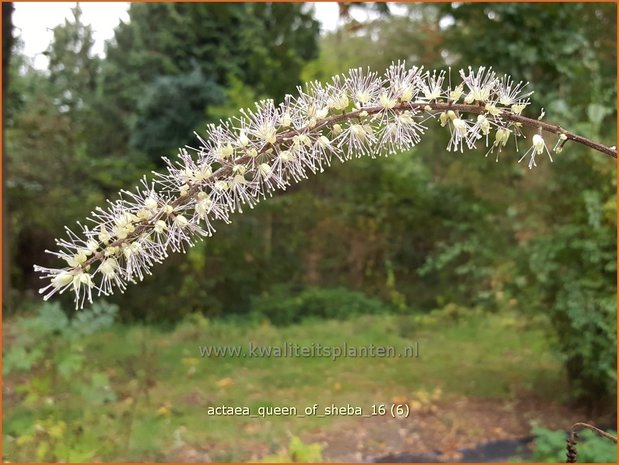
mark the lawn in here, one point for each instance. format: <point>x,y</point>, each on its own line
<point>156,388</point>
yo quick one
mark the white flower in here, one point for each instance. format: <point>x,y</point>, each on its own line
<point>386,101</point>
<point>151,203</point>
<point>362,96</point>
<point>459,131</point>
<point>484,124</point>
<point>203,206</point>
<point>62,279</point>
<point>301,139</point>
<point>481,84</point>
<point>432,85</point>
<point>267,132</point>
<point>243,139</point>
<point>518,107</point>
<point>457,93</point>
<point>538,144</point>
<point>404,82</point>
<point>501,137</point>
<point>144,214</point>
<point>460,127</point>
<point>104,236</point>
<point>324,141</point>
<point>406,117</point>
<point>108,267</point>
<point>160,226</point>
<point>510,93</point>
<point>492,109</point>
<point>285,120</point>
<point>401,131</point>
<point>322,113</point>
<point>82,287</point>
<point>538,147</point>
<point>443,118</point>
<point>236,181</point>
<point>110,276</point>
<point>221,185</point>
<point>407,94</point>
<point>339,102</point>
<point>181,221</point>
<point>265,169</point>
<point>362,86</point>
<point>558,148</point>
<point>286,156</point>
<point>92,246</point>
<point>480,129</point>
<point>225,151</point>
<point>240,169</point>
<point>77,260</point>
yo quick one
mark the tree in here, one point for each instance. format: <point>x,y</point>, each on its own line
<point>72,68</point>
<point>263,45</point>
<point>50,115</point>
<point>563,222</point>
<point>171,108</point>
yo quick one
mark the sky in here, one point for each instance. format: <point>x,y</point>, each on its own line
<point>34,21</point>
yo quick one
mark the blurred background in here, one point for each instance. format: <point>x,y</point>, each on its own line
<point>505,277</point>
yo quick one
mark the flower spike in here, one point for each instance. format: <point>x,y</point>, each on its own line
<point>245,159</point>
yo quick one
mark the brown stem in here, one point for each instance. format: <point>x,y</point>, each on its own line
<point>287,135</point>
<point>533,123</point>
<point>594,429</point>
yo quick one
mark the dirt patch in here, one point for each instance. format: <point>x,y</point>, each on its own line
<point>438,433</point>
<point>450,426</point>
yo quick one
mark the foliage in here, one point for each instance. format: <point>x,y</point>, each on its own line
<point>562,261</point>
<point>281,308</point>
<point>570,86</point>
<point>570,274</point>
<point>171,108</point>
<point>47,357</point>
<point>152,404</point>
<point>297,452</point>
<point>550,447</point>
<point>72,67</point>
<point>263,45</point>
<point>415,37</point>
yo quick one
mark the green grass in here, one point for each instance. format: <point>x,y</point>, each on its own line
<point>164,387</point>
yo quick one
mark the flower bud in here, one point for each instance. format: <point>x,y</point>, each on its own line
<point>181,221</point>
<point>62,279</point>
<point>538,144</point>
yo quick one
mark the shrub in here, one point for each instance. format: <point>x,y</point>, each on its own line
<point>550,447</point>
<point>281,308</point>
<point>49,348</point>
<point>297,452</point>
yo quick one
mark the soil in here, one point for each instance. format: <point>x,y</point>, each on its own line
<point>442,432</point>
<point>436,434</point>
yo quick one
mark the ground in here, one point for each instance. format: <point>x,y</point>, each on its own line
<point>453,425</point>
<point>478,377</point>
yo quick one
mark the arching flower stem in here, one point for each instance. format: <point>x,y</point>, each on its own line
<point>267,149</point>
